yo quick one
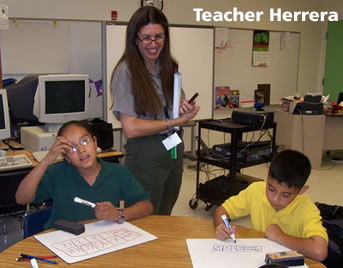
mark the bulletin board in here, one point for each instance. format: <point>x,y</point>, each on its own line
<point>193,48</point>
<point>35,47</point>
<point>55,47</point>
<point>233,65</point>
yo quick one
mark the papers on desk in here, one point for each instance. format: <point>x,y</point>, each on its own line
<point>99,238</point>
<point>245,253</point>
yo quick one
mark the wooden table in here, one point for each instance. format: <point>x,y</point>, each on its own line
<point>169,250</point>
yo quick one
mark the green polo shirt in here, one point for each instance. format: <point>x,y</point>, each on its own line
<point>62,182</point>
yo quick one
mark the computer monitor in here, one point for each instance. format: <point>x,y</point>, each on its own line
<point>5,128</point>
<point>21,108</point>
<point>61,98</point>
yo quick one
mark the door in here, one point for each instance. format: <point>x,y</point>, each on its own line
<point>333,75</point>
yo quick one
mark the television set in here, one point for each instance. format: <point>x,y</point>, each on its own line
<point>60,98</point>
<point>5,124</point>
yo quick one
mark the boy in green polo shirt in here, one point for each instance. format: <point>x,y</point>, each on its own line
<point>82,174</point>
<point>279,208</point>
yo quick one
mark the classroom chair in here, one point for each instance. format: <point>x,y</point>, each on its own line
<point>34,221</point>
<point>9,181</point>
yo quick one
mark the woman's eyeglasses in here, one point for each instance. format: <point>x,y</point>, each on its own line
<point>147,39</point>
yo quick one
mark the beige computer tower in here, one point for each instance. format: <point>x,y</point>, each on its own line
<point>37,138</point>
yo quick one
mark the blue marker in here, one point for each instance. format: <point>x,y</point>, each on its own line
<point>226,221</point>
<point>37,258</point>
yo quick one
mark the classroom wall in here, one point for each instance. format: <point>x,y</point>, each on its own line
<point>311,33</point>
<point>334,5</point>
<point>312,43</point>
<point>31,46</point>
<point>181,12</point>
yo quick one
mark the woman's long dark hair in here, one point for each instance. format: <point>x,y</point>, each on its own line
<point>147,101</point>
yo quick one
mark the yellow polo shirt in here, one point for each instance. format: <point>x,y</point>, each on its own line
<point>301,218</point>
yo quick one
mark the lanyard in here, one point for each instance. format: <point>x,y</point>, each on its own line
<point>166,112</point>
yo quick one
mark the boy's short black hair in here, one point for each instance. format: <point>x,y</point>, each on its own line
<point>290,167</point>
<point>83,124</point>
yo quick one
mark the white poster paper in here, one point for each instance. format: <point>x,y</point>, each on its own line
<point>99,238</point>
<point>247,253</point>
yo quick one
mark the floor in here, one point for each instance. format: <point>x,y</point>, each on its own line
<point>325,187</point>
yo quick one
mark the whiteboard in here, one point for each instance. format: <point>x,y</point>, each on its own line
<point>192,48</point>
<point>114,48</point>
<point>234,68</point>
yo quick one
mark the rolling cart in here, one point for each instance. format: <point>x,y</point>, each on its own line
<point>217,190</point>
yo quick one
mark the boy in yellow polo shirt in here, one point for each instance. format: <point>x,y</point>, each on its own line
<point>279,208</point>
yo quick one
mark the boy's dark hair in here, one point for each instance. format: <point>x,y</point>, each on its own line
<point>82,124</point>
<point>290,167</point>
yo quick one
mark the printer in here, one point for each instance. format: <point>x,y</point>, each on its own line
<point>311,105</point>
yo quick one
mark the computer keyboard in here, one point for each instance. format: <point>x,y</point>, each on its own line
<point>14,162</point>
<point>38,156</point>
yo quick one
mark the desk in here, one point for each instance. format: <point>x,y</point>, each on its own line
<point>333,132</point>
<point>310,134</point>
<point>304,133</point>
<point>169,250</point>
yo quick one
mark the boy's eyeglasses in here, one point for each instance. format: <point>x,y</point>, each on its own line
<point>147,40</point>
<point>83,142</point>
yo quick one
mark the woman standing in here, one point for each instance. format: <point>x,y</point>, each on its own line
<point>142,85</point>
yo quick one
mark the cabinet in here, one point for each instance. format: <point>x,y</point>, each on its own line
<point>233,163</point>
<point>304,133</point>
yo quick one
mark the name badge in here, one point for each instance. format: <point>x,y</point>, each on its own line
<point>171,141</point>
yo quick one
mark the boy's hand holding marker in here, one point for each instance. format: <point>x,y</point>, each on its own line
<point>224,231</point>
<point>103,210</point>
